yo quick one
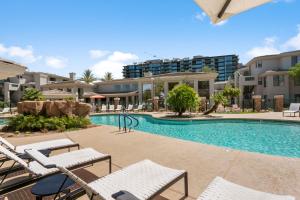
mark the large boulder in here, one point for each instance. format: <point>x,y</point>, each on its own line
<point>54,108</point>
<point>51,109</point>
<point>31,107</point>
<point>82,109</point>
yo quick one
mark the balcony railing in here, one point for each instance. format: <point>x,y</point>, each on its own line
<point>249,78</point>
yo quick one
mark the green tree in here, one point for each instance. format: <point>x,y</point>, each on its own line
<point>107,77</point>
<point>208,69</point>
<point>3,104</point>
<point>218,99</point>
<point>32,94</point>
<point>231,92</point>
<point>181,98</point>
<point>295,71</point>
<point>88,76</point>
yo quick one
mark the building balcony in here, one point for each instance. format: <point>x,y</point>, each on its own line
<point>248,80</point>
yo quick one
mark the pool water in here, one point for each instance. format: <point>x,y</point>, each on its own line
<point>269,137</point>
<point>2,122</point>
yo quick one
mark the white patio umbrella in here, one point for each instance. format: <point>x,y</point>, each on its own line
<point>219,10</point>
<point>10,69</point>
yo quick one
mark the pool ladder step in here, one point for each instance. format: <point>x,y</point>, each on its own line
<point>128,122</point>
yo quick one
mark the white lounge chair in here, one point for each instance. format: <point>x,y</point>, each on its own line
<point>221,189</point>
<point>111,108</point>
<point>139,108</point>
<point>294,108</point>
<point>144,180</point>
<point>129,108</point>
<point>103,108</point>
<point>119,108</point>
<point>70,160</point>
<point>5,110</point>
<point>50,145</point>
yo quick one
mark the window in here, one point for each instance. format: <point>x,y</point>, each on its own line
<point>259,64</point>
<point>117,87</point>
<point>260,81</point>
<point>278,80</point>
<point>294,60</point>
<point>265,81</point>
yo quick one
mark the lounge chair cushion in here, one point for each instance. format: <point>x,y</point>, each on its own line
<point>221,189</point>
<point>142,179</point>
<point>44,145</point>
<point>67,160</point>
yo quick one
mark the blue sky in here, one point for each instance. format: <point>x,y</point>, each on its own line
<point>60,36</point>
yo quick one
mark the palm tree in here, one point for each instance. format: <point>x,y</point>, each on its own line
<point>107,77</point>
<point>88,76</point>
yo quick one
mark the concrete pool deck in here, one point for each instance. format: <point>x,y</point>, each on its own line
<point>279,175</point>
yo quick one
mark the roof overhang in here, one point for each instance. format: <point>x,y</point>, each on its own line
<point>10,69</point>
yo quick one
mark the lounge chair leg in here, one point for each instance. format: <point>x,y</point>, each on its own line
<point>186,185</point>
<point>110,165</point>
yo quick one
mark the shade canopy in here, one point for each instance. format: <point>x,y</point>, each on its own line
<point>10,69</point>
<point>97,97</point>
<point>219,10</point>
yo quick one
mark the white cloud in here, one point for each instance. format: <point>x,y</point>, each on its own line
<point>114,63</point>
<point>56,62</point>
<point>294,42</point>
<point>95,53</point>
<point>25,55</point>
<point>200,16</point>
<point>267,48</point>
<point>272,46</point>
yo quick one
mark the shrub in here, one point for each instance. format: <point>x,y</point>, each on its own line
<point>32,94</point>
<point>182,98</point>
<point>3,104</point>
<point>218,99</point>
<point>41,123</point>
<point>231,92</point>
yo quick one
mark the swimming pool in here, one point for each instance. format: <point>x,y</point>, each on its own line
<point>269,137</point>
<point>2,121</point>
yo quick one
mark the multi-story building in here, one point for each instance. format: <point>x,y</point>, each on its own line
<point>225,66</point>
<point>140,90</point>
<point>12,89</point>
<point>268,76</point>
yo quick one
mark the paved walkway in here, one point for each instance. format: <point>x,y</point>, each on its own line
<point>265,115</point>
<point>278,175</point>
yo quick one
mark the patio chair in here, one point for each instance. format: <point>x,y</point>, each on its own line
<point>293,109</point>
<point>129,108</point>
<point>49,145</point>
<point>103,108</point>
<point>143,180</point>
<point>139,108</point>
<point>70,160</point>
<point>220,188</point>
<point>119,108</point>
<point>5,110</point>
<point>111,108</point>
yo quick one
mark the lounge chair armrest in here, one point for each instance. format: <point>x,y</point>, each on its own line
<point>40,158</point>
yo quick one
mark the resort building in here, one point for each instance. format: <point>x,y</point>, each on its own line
<point>225,66</point>
<point>144,89</point>
<point>268,76</point>
<point>70,88</point>
<point>12,88</point>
